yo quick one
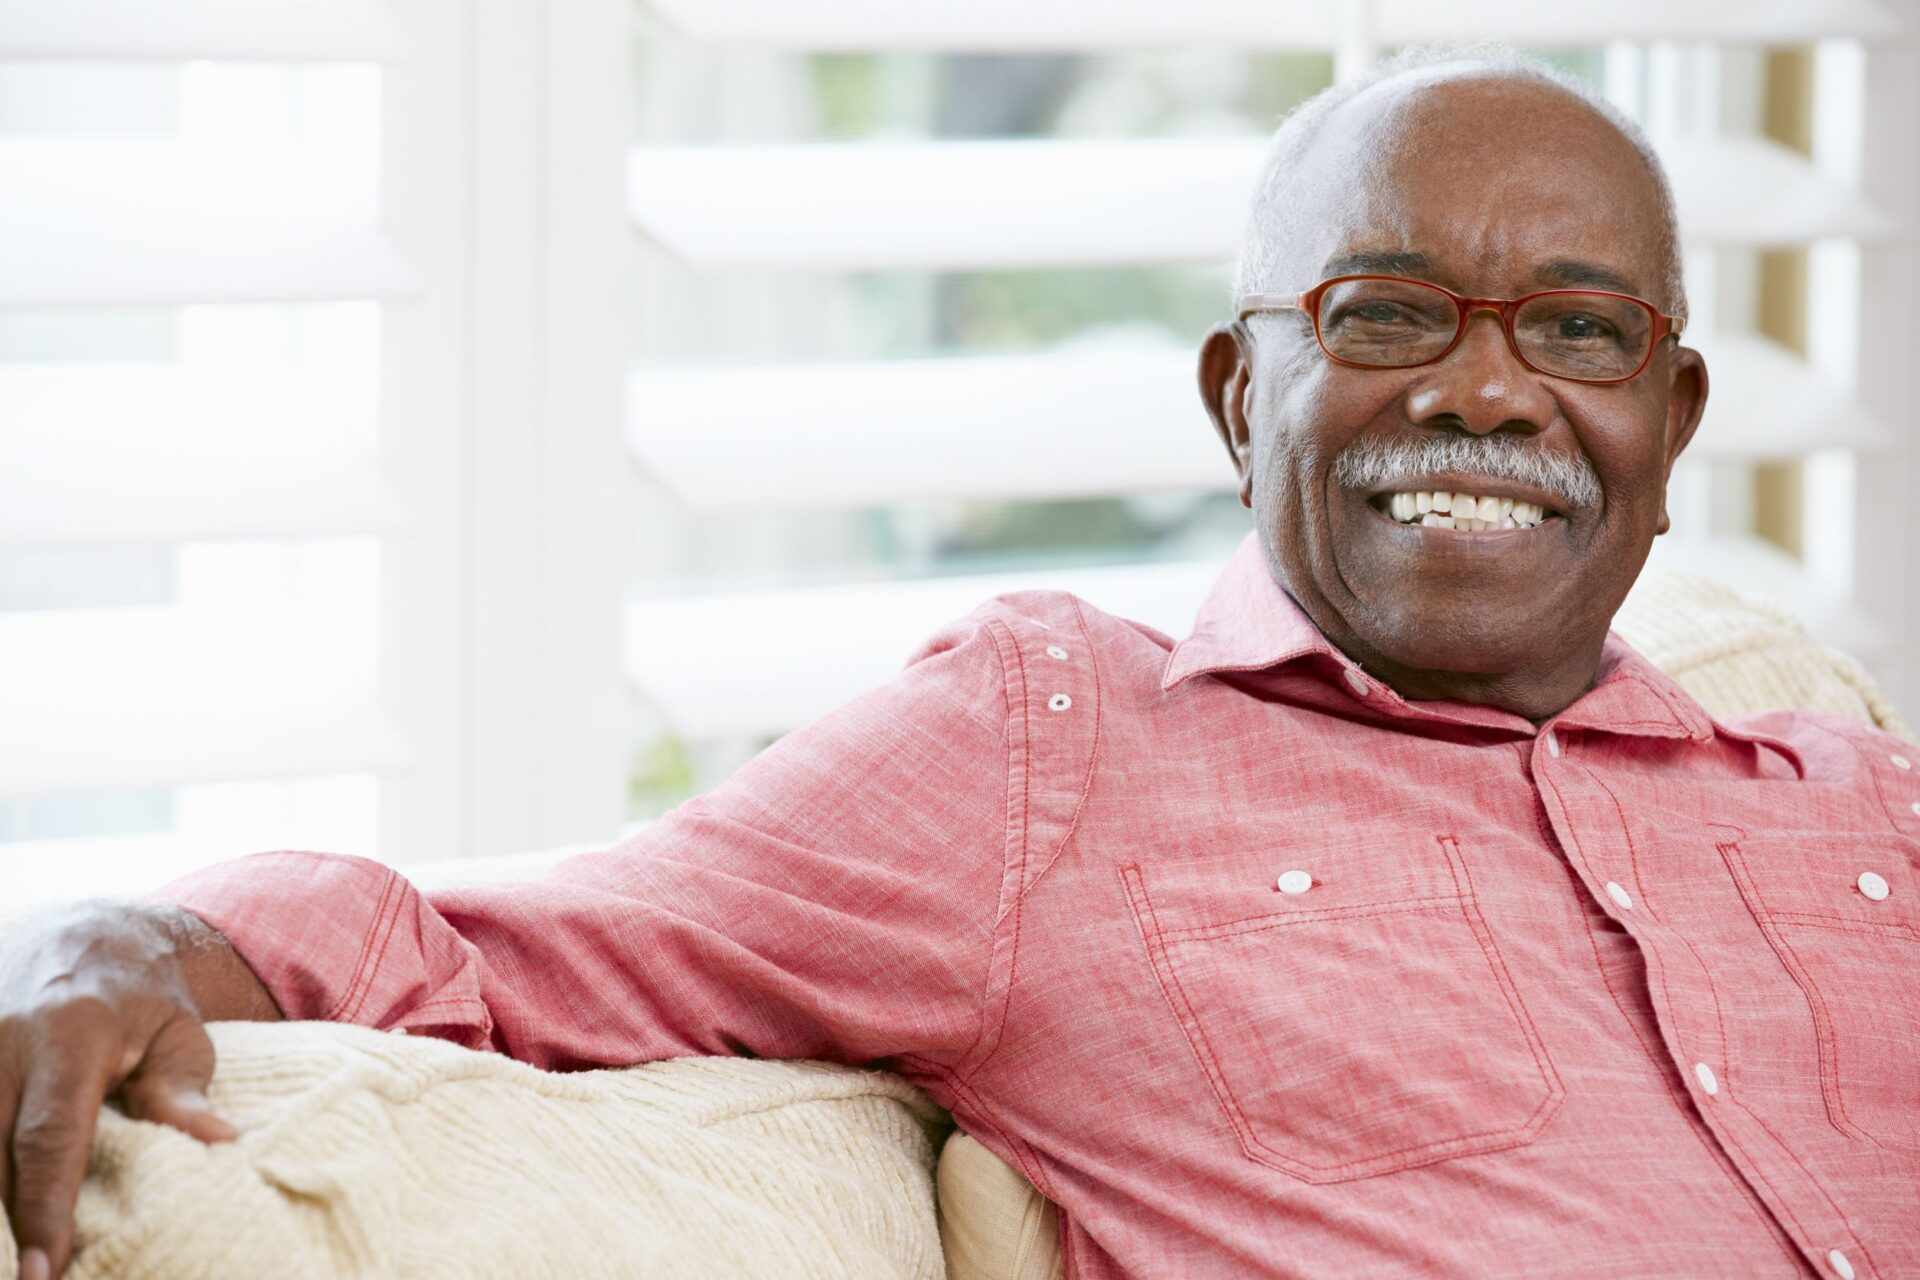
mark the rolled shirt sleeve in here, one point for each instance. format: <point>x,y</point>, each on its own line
<point>836,898</point>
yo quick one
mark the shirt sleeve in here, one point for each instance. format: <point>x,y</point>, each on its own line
<point>836,898</point>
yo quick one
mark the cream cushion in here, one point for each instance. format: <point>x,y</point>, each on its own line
<point>365,1154</point>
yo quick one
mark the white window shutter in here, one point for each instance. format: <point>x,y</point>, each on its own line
<point>1086,421</point>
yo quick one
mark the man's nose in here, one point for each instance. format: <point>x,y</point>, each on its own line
<point>1481,385</point>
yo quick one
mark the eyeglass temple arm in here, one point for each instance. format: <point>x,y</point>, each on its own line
<point>1252,302</point>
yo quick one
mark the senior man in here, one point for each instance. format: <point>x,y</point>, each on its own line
<point>1397,921</point>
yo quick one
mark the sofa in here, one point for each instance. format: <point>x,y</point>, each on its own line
<point>364,1154</point>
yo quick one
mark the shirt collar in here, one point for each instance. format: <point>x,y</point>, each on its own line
<point>1248,624</point>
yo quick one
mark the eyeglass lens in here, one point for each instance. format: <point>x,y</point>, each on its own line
<point>1391,324</point>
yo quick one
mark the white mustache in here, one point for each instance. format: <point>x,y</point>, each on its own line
<point>1374,464</point>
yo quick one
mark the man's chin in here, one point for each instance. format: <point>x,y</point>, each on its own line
<point>1463,636</point>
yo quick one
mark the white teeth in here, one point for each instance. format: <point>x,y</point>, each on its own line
<point>1436,510</point>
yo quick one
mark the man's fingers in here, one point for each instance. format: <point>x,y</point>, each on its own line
<point>52,1132</point>
<point>9,1103</point>
<point>169,1085</point>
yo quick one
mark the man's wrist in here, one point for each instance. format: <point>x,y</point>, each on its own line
<point>222,985</point>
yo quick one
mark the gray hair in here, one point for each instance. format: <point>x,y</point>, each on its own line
<point>1276,209</point>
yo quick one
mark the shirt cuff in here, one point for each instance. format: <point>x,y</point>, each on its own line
<point>342,939</point>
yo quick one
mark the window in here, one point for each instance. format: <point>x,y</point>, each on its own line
<point>430,429</point>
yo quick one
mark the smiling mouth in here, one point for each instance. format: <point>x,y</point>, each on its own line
<point>1469,512</point>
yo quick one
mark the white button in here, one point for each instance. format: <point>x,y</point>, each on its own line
<point>396,1031</point>
<point>1619,895</point>
<point>1872,885</point>
<point>1553,744</point>
<point>1704,1074</point>
<point>1056,652</point>
<point>1358,683</point>
<point>1841,1267</point>
<point>1059,702</point>
<point>1915,806</point>
<point>1899,762</point>
<point>1295,882</point>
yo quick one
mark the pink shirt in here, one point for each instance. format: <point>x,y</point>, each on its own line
<point>1252,966</point>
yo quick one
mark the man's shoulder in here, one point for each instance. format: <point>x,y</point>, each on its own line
<point>1833,745</point>
<point>1039,624</point>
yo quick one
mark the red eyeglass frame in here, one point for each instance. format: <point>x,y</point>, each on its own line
<point>1664,326</point>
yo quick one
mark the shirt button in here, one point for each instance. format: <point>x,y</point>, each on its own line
<point>1059,702</point>
<point>1295,882</point>
<point>1553,744</point>
<point>1915,806</point>
<point>1841,1267</point>
<point>1899,762</point>
<point>1055,652</point>
<point>1358,683</point>
<point>396,1031</point>
<point>1619,895</point>
<point>1708,1081</point>
<point>1872,885</point>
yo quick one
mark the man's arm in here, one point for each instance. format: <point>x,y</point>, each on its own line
<point>836,898</point>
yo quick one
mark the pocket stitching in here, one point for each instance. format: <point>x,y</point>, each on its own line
<point>1280,920</point>
<point>1450,845</point>
<point>1487,1142</point>
<point>1175,996</point>
<point>1825,1035</point>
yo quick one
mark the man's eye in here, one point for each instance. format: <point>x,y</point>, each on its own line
<point>1582,328</point>
<point>1378,313</point>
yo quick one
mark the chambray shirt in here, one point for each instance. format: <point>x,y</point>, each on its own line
<point>1252,966</point>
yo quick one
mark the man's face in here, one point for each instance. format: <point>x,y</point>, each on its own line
<point>1489,188</point>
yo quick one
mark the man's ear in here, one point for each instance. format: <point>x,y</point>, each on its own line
<point>1226,381</point>
<point>1686,401</point>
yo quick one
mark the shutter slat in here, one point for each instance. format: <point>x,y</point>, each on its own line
<point>944,206</point>
<point>1767,404</point>
<point>1748,192</point>
<point>1300,25</point>
<point>107,222</point>
<point>172,455</point>
<point>1071,424</point>
<point>100,699</point>
<point>1012,204</point>
<point>688,656</point>
<point>180,30</point>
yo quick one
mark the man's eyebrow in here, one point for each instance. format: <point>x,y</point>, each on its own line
<point>1567,273</point>
<point>1366,263</point>
<point>1561,273</point>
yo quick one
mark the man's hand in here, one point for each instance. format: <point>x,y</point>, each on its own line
<point>95,999</point>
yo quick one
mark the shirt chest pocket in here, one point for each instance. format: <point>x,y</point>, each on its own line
<point>1842,914</point>
<point>1347,1007</point>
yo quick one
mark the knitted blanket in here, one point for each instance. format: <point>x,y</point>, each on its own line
<point>371,1155</point>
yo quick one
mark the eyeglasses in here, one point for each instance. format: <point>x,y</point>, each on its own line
<point>1391,322</point>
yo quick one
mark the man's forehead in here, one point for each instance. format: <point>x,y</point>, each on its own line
<point>1452,177</point>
